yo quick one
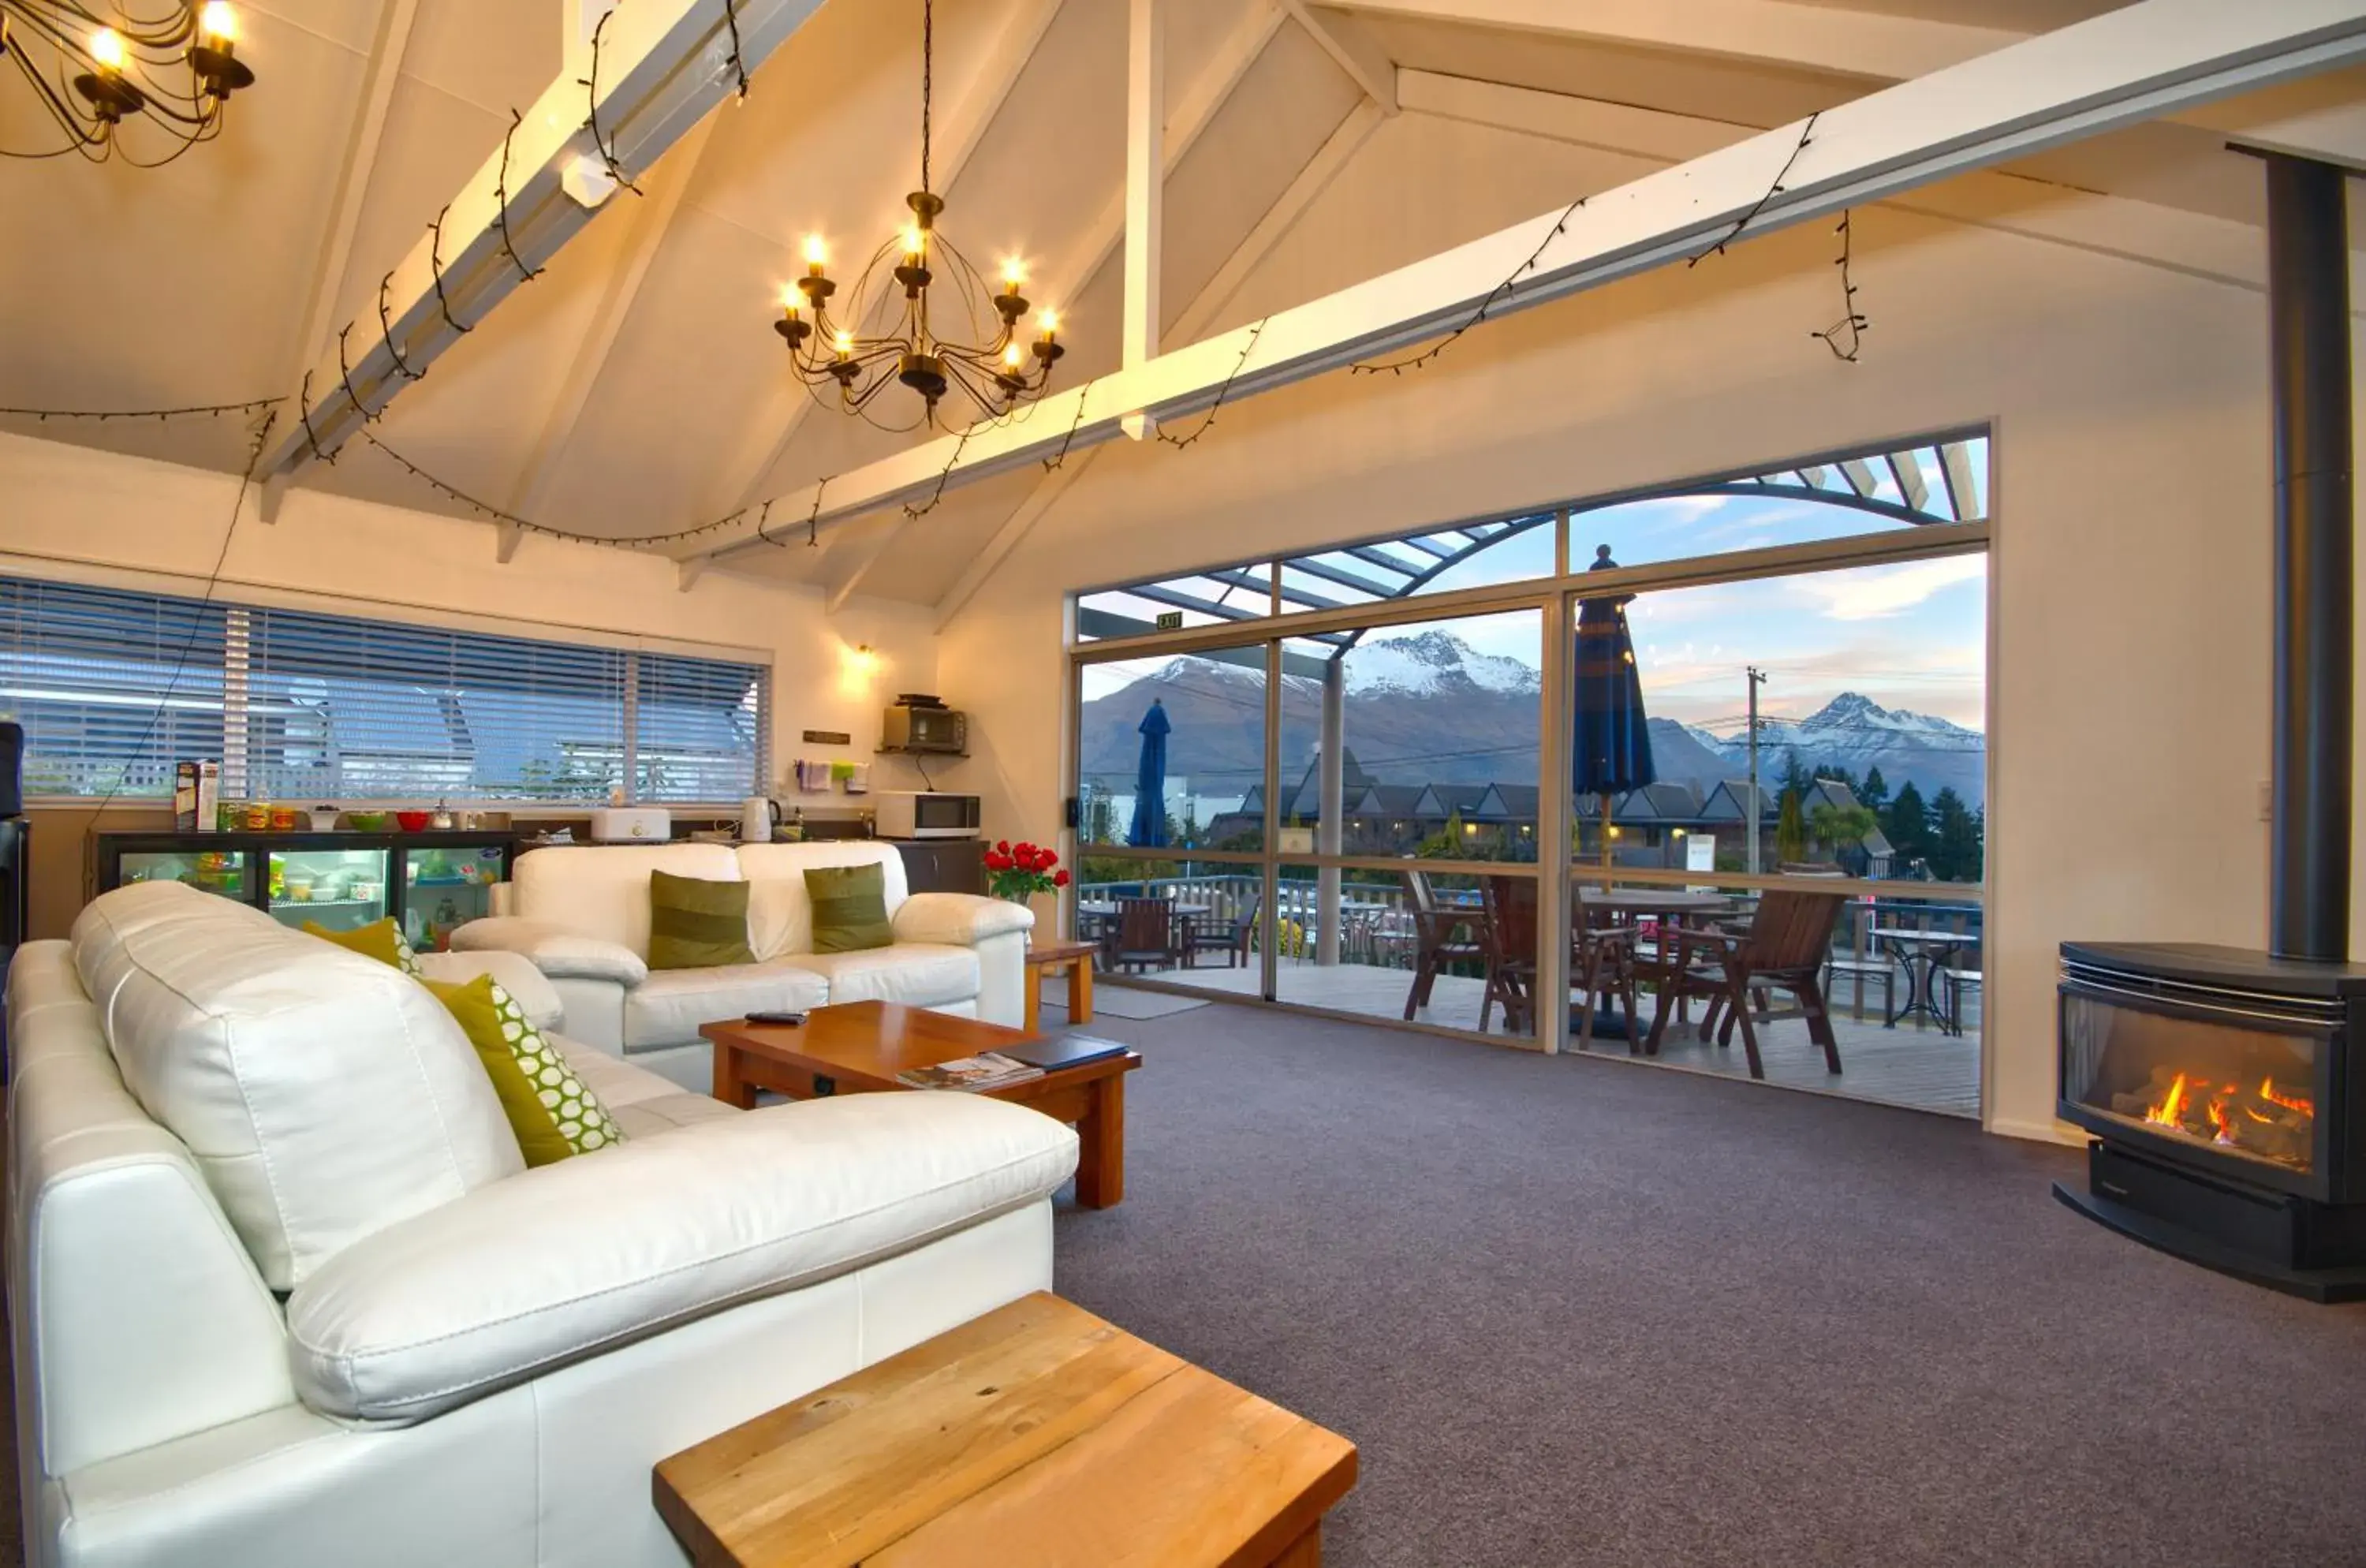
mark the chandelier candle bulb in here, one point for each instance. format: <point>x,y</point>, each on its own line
<point>106,49</point>
<point>219,22</point>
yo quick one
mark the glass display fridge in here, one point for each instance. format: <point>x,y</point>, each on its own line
<point>431,882</point>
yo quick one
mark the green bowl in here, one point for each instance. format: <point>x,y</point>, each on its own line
<point>367,821</point>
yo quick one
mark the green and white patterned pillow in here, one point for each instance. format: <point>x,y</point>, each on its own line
<point>381,939</point>
<point>554,1113</point>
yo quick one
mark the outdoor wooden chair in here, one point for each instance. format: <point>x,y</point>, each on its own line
<point>1508,937</point>
<point>1441,936</point>
<point>1784,949</point>
<point>1602,959</point>
<point>1215,933</point>
<point>1146,935</point>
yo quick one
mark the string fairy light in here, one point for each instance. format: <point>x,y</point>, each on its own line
<point>1180,443</point>
<point>1501,291</point>
<point>1806,134</point>
<point>101,416</point>
<point>501,202</point>
<point>591,85</point>
<point>1853,323</point>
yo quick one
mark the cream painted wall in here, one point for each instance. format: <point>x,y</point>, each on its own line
<point>86,515</point>
<point>2130,658</point>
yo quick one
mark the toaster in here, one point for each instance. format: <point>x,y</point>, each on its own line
<point>632,825</point>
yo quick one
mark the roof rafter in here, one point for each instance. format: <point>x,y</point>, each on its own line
<point>663,65</point>
<point>1354,51</point>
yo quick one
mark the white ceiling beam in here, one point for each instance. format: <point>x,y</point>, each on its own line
<point>2144,232</point>
<point>663,65</point>
<point>1356,52</point>
<point>1318,174</point>
<point>1205,98</point>
<point>1146,189</point>
<point>783,408</point>
<point>652,219</point>
<point>861,548</point>
<point>336,248</point>
<point>1765,32</point>
<point>2136,63</point>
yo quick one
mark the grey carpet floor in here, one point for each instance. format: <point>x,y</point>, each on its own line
<point>1582,1312</point>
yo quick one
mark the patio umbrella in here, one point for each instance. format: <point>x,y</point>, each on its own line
<point>1610,746</point>
<point>1150,780</point>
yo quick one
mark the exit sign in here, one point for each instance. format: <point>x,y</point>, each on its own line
<point>1171,621</point>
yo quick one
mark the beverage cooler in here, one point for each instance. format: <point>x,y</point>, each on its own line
<point>431,882</point>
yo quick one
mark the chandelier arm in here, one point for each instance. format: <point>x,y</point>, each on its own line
<point>59,109</point>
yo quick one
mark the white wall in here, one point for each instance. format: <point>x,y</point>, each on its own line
<point>2129,678</point>
<point>87,515</point>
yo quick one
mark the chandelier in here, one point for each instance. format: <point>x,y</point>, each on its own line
<point>94,74</point>
<point>918,282</point>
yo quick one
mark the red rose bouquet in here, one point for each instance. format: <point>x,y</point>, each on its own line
<point>1018,872</point>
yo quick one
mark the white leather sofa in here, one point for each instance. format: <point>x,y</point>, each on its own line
<point>282,1294</point>
<point>581,915</point>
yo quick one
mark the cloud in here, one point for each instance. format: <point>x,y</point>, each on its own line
<point>1878,592</point>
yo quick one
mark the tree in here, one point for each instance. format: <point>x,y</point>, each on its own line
<point>1796,780</point>
<point>1838,826</point>
<point>1906,825</point>
<point>1873,793</point>
<point>1956,850</point>
<point>1790,830</point>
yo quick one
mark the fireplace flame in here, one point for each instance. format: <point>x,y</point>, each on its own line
<point>2300,1103</point>
<point>2222,1130</point>
<point>2168,1113</point>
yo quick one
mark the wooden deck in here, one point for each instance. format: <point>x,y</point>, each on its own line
<point>1913,1065</point>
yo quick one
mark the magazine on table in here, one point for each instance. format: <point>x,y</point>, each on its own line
<point>990,1070</point>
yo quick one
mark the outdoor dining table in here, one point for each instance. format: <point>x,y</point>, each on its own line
<point>1921,954</point>
<point>1672,905</point>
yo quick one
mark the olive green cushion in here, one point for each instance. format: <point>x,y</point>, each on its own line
<point>697,924</point>
<point>849,907</point>
<point>381,939</point>
<point>554,1113</point>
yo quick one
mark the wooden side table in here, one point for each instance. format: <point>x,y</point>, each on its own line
<point>1037,1434</point>
<point>1076,958</point>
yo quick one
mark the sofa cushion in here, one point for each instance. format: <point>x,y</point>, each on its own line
<point>849,907</point>
<point>696,922</point>
<point>604,890</point>
<point>381,939</point>
<point>919,974</point>
<point>526,985</point>
<point>780,912</point>
<point>667,1008</point>
<point>323,1095</point>
<point>554,1113</point>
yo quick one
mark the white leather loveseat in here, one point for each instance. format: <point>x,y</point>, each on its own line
<point>282,1294</point>
<point>581,914</point>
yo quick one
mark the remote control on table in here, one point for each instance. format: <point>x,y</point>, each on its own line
<point>790,1020</point>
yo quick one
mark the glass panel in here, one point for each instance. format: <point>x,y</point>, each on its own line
<point>336,888</point>
<point>1454,949</point>
<point>698,728</point>
<point>1193,599</point>
<point>1186,923</point>
<point>2243,1091</point>
<point>444,890</point>
<point>1212,705</point>
<point>209,871</point>
<point>1897,978</point>
<point>113,688</point>
<point>1437,727</point>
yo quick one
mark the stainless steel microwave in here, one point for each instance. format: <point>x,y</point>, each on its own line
<point>925,814</point>
<point>908,728</point>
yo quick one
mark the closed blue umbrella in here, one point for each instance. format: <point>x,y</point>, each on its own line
<point>1150,780</point>
<point>1610,746</point>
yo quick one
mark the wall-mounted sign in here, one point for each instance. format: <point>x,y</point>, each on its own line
<point>1170,620</point>
<point>829,738</point>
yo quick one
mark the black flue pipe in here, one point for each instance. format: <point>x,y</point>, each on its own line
<point>2308,325</point>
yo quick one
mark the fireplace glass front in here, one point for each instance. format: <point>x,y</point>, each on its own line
<point>2240,1090</point>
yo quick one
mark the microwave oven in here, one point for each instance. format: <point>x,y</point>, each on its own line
<point>909,728</point>
<point>925,814</point>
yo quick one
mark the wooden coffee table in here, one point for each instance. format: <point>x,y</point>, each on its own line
<point>1038,1435</point>
<point>1076,958</point>
<point>859,1047</point>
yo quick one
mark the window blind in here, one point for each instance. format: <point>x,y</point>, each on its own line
<point>300,706</point>
<point>91,674</point>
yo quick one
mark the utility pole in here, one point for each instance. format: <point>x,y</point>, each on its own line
<point>1750,807</point>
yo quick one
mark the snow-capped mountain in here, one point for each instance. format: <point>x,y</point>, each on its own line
<point>1851,731</point>
<point>1431,662</point>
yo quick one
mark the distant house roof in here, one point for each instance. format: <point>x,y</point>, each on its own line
<point>1725,803</point>
<point>1505,803</point>
<point>1443,800</point>
<point>1669,801</point>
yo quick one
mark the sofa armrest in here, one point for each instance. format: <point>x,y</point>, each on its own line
<point>513,972</point>
<point>558,953</point>
<point>959,919</point>
<point>570,1260</point>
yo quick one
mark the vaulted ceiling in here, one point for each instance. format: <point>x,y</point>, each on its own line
<point>635,387</point>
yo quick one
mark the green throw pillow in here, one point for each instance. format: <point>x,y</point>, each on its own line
<point>697,924</point>
<point>554,1113</point>
<point>381,939</point>
<point>849,907</point>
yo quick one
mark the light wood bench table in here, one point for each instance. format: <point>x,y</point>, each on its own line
<point>1076,958</point>
<point>1036,1435</point>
